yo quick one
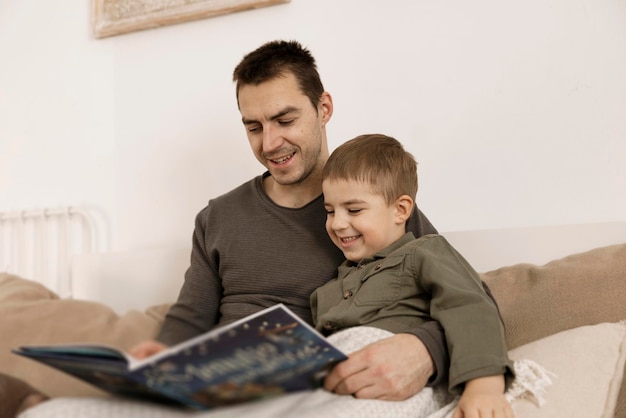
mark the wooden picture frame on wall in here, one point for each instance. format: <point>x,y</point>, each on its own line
<point>116,17</point>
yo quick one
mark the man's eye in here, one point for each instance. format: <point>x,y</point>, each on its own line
<point>253,129</point>
<point>285,122</point>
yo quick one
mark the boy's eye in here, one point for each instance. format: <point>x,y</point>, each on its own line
<point>329,211</point>
<point>354,211</point>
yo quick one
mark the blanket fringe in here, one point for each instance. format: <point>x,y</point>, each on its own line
<point>531,382</point>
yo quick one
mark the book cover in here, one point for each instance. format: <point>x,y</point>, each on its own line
<point>265,354</point>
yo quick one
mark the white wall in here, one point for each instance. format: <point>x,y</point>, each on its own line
<point>516,111</point>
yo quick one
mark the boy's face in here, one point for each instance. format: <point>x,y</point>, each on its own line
<point>359,221</point>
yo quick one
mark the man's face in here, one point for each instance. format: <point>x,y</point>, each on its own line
<point>286,133</point>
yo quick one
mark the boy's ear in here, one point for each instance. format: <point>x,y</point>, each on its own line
<point>404,207</point>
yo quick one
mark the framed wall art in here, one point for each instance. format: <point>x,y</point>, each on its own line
<point>116,17</point>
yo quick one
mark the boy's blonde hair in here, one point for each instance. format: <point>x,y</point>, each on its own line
<point>377,160</point>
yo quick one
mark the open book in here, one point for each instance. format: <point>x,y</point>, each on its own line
<point>265,354</point>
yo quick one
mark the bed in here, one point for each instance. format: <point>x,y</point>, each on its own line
<point>560,289</point>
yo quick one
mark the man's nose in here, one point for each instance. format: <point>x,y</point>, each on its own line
<point>271,139</point>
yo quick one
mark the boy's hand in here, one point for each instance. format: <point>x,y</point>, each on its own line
<point>394,368</point>
<point>484,397</point>
<point>146,349</point>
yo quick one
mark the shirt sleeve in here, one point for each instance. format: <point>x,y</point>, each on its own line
<point>470,317</point>
<point>432,335</point>
<point>197,309</point>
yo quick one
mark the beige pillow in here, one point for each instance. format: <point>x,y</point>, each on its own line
<point>31,314</point>
<point>587,364</point>
<point>581,289</point>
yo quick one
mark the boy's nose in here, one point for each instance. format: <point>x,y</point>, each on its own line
<point>339,223</point>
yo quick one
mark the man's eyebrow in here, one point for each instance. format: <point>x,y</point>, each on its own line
<point>280,114</point>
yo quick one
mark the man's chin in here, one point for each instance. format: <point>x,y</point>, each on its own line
<point>286,179</point>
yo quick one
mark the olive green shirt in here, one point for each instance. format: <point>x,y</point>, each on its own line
<point>411,282</point>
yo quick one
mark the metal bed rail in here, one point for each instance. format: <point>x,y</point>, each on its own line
<point>39,244</point>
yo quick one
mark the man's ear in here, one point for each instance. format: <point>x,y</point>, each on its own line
<point>404,207</point>
<point>326,106</point>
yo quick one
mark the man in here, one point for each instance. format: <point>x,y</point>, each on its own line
<point>265,242</point>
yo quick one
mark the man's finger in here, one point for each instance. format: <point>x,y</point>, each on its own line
<point>335,380</point>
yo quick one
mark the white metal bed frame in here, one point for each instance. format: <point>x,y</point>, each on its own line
<point>39,244</point>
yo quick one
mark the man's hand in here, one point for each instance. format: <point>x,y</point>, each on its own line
<point>146,349</point>
<point>394,369</point>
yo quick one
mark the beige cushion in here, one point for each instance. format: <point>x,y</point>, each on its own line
<point>581,289</point>
<point>587,364</point>
<point>31,314</point>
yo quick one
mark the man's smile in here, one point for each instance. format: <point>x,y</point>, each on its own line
<point>282,160</point>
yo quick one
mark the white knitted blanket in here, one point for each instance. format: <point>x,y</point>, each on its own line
<point>530,383</point>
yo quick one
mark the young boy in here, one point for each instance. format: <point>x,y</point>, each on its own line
<point>393,281</point>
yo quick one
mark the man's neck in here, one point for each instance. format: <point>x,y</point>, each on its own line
<point>293,195</point>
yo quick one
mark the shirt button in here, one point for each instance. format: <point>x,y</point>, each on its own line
<point>328,326</point>
<point>347,294</point>
<point>378,266</point>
